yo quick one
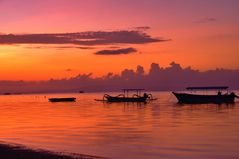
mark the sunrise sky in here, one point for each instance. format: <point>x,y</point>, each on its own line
<point>47,39</point>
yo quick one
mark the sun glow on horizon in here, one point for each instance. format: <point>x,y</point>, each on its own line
<point>47,41</point>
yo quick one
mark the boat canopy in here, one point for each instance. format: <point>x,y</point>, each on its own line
<point>208,88</point>
<point>138,91</point>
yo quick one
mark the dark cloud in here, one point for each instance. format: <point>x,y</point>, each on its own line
<point>90,38</point>
<point>84,47</point>
<point>36,47</point>
<point>206,20</point>
<point>143,28</point>
<point>59,47</point>
<point>72,47</point>
<point>68,70</point>
<point>211,19</point>
<point>116,52</point>
<point>75,47</point>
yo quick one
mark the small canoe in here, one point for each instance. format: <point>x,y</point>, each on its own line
<point>62,99</point>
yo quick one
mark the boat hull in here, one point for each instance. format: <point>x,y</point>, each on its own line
<point>62,99</point>
<point>195,99</point>
<point>126,99</point>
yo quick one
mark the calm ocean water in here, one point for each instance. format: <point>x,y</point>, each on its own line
<point>160,129</point>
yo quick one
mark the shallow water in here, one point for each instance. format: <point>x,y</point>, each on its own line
<point>161,128</point>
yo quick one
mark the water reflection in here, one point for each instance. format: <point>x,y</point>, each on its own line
<point>126,105</point>
<point>160,128</point>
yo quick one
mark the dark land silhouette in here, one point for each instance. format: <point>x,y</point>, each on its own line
<point>20,152</point>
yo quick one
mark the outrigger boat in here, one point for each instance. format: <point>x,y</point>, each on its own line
<point>126,98</point>
<point>62,99</point>
<point>198,98</point>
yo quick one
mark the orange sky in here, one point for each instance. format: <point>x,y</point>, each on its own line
<point>205,35</point>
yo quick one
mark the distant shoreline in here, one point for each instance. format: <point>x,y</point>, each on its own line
<point>15,151</point>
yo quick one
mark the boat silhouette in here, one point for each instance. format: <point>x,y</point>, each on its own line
<point>201,98</point>
<point>126,98</point>
<point>62,99</point>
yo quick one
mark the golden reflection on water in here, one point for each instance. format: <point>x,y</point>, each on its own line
<point>161,128</point>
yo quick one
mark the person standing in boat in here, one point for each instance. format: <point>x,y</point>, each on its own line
<point>146,95</point>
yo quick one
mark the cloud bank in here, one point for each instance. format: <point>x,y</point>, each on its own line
<point>90,38</point>
<point>173,77</point>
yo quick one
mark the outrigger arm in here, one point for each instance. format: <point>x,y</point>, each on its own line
<point>236,96</point>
